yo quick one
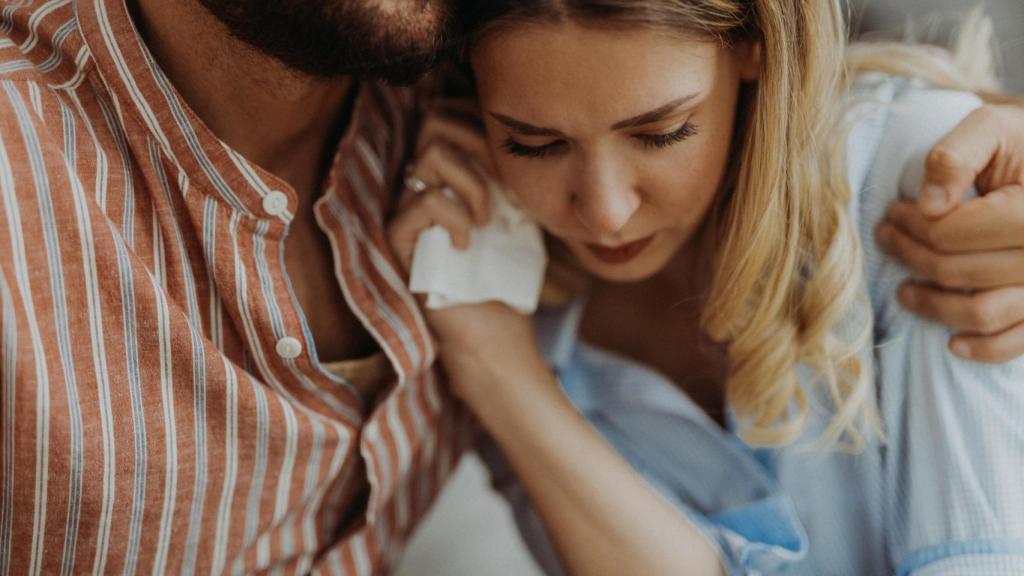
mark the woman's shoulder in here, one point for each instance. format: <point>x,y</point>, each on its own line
<point>952,426</point>
<point>892,124</point>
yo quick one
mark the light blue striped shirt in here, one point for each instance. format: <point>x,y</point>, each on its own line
<point>944,494</point>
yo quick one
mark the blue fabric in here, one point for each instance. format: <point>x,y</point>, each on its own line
<point>945,493</point>
<point>985,556</point>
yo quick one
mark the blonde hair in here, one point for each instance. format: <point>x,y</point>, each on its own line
<point>970,67</point>
<point>788,269</point>
<point>784,282</point>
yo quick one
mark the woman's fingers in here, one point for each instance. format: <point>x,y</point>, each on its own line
<point>455,129</point>
<point>441,164</point>
<point>448,184</point>
<point>432,207</point>
<point>463,110</point>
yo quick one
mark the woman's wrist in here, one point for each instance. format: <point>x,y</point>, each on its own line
<point>506,378</point>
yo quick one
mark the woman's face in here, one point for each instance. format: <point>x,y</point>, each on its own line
<point>615,141</point>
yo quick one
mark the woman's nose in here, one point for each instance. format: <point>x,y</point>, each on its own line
<point>605,202</point>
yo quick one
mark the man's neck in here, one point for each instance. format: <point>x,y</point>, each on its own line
<point>279,119</point>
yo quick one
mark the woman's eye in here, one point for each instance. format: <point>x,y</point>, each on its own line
<point>516,149</point>
<point>649,141</point>
<point>664,140</point>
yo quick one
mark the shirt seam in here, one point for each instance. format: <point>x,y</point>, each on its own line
<point>922,557</point>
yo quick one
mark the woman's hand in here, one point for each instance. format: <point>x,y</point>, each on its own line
<point>448,185</point>
<point>494,365</point>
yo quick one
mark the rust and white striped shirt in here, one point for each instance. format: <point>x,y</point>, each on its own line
<point>153,418</point>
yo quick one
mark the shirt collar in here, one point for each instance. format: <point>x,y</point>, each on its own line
<point>141,89</point>
<point>557,331</point>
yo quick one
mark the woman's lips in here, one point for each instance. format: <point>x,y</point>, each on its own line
<point>622,253</point>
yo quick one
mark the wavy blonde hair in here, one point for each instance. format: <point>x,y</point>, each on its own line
<point>788,266</point>
<point>784,282</point>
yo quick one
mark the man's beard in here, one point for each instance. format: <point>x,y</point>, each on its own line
<point>330,38</point>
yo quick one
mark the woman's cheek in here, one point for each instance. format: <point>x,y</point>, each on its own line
<point>538,195</point>
<point>550,208</point>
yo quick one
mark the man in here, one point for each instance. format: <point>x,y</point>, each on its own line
<point>208,361</point>
<point>192,197</point>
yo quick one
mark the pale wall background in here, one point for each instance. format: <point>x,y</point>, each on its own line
<point>937,19</point>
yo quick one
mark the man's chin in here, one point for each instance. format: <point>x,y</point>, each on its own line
<point>402,73</point>
<point>399,55</point>
<point>332,38</point>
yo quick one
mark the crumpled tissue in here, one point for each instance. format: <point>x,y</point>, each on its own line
<point>505,262</point>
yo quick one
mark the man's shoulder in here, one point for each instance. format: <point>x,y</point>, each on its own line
<point>36,117</point>
<point>40,42</point>
<point>402,105</point>
<point>44,68</point>
<point>44,134</point>
<point>389,121</point>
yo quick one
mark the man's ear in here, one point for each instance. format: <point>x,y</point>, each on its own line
<point>748,53</point>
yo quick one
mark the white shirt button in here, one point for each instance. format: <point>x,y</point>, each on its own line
<point>288,347</point>
<point>275,203</point>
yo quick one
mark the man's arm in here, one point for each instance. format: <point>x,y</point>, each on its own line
<point>971,253</point>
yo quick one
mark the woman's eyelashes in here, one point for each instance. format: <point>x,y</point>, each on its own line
<point>649,141</point>
<point>674,137</point>
<point>516,149</point>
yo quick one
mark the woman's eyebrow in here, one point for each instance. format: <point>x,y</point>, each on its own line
<point>654,115</point>
<point>520,127</point>
<point>527,129</point>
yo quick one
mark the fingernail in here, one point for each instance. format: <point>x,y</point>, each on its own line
<point>933,199</point>
<point>961,348</point>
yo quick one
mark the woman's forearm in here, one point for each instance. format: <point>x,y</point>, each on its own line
<point>602,517</point>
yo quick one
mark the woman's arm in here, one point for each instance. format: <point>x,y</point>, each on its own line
<point>955,443</point>
<point>602,517</point>
<point>955,457</point>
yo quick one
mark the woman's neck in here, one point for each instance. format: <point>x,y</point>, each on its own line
<point>657,322</point>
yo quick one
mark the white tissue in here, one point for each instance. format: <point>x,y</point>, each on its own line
<point>505,262</point>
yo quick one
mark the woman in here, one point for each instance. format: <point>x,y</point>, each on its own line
<point>690,157</point>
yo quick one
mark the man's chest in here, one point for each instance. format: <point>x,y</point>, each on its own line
<point>311,264</point>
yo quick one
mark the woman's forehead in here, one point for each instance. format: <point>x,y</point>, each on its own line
<point>615,71</point>
<point>579,37</point>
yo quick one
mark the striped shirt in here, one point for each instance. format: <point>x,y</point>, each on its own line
<point>162,408</point>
